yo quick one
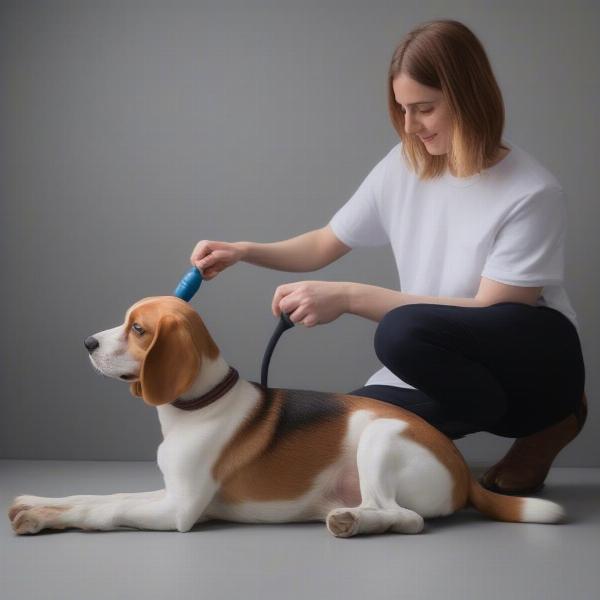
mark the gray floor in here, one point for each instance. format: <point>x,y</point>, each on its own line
<point>464,556</point>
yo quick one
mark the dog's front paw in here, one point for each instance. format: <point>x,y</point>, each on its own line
<point>21,503</point>
<point>17,506</point>
<point>25,520</point>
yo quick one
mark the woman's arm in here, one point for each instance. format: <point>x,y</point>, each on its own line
<point>318,302</point>
<point>307,252</point>
<point>372,302</point>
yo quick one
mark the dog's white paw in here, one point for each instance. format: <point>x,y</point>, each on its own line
<point>342,522</point>
<point>21,503</point>
<point>17,507</point>
<point>25,518</point>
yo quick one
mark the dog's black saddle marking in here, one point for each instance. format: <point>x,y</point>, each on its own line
<point>302,408</point>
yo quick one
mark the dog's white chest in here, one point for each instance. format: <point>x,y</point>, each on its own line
<point>193,441</point>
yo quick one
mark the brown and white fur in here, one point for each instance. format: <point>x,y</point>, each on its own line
<point>268,455</point>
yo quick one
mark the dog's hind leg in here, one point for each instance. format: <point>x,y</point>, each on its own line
<point>381,464</point>
<point>346,522</point>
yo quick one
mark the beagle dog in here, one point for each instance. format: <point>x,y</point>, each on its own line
<point>236,451</point>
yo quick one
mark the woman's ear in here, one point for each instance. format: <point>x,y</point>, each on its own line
<point>171,364</point>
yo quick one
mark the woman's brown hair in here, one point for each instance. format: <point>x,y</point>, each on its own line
<point>447,55</point>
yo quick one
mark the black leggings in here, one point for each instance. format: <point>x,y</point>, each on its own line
<point>510,369</point>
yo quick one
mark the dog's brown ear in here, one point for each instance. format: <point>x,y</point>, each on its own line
<point>136,388</point>
<point>171,363</point>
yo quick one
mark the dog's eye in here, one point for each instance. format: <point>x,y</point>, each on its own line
<point>138,328</point>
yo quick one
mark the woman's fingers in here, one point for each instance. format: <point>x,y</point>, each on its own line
<point>213,257</point>
<point>210,273</point>
<point>211,260</point>
<point>290,299</point>
<point>298,315</point>
<point>304,316</point>
<point>282,302</point>
<point>201,249</point>
<point>309,302</point>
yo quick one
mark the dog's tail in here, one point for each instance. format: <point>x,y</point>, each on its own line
<point>514,508</point>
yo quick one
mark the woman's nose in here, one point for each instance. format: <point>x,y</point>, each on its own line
<point>410,124</point>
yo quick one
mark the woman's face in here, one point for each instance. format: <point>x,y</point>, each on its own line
<point>426,113</point>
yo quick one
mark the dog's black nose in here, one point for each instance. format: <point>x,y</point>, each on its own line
<point>91,343</point>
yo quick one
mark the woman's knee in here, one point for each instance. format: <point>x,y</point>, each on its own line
<point>399,332</point>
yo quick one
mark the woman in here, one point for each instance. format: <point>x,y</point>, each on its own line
<point>482,336</point>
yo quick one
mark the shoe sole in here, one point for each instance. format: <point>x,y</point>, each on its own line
<point>512,492</point>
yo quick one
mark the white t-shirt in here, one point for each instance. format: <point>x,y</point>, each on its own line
<point>507,223</point>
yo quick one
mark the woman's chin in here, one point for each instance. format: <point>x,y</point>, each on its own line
<point>435,152</point>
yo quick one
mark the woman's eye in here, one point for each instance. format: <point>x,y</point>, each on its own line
<point>138,329</point>
<point>423,112</point>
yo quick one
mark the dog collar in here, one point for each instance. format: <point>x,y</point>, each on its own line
<point>220,390</point>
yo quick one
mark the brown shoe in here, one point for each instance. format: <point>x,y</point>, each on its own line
<point>525,467</point>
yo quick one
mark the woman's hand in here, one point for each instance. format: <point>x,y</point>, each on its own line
<point>311,302</point>
<point>213,257</point>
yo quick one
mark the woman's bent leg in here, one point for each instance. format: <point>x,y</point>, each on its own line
<point>511,369</point>
<point>418,403</point>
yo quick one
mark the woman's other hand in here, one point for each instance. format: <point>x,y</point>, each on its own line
<point>311,302</point>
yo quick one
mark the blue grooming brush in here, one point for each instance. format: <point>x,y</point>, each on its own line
<point>188,285</point>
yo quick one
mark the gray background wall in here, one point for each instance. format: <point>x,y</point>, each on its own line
<point>131,130</point>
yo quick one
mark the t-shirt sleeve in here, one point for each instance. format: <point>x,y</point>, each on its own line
<point>358,222</point>
<point>528,249</point>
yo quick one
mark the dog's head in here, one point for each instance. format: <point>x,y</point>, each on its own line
<point>159,349</point>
